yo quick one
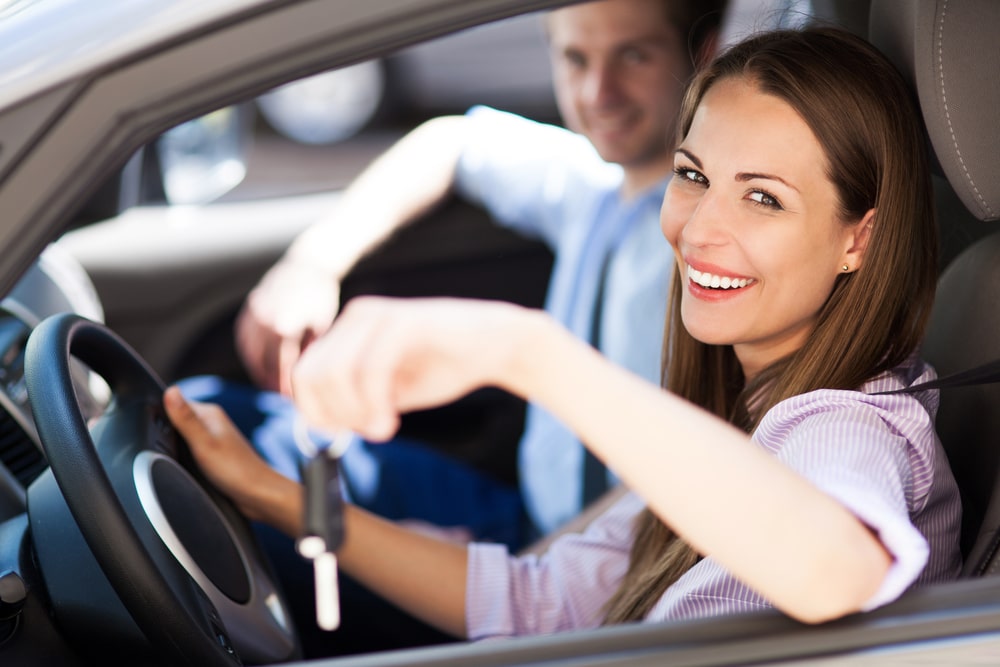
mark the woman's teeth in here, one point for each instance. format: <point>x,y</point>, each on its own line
<point>713,281</point>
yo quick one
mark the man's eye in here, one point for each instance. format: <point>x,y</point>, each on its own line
<point>633,56</point>
<point>575,60</point>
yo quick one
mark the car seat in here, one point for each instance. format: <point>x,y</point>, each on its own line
<point>948,49</point>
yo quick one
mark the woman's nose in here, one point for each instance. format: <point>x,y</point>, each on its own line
<point>708,222</point>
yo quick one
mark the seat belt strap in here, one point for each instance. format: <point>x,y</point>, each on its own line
<point>982,374</point>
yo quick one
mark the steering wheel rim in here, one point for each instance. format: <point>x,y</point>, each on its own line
<point>185,627</point>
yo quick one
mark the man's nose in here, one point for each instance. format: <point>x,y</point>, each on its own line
<point>601,85</point>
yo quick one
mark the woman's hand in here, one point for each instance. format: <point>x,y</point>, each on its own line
<point>385,356</point>
<point>231,464</point>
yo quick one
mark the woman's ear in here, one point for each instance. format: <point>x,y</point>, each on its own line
<point>857,242</point>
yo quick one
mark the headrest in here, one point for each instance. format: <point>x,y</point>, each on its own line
<point>949,50</point>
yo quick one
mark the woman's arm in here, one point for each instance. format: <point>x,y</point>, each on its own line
<point>765,523</point>
<point>421,574</point>
<point>728,498</point>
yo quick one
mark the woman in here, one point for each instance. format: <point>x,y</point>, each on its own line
<point>774,475</point>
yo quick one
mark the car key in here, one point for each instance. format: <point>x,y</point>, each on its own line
<point>324,528</point>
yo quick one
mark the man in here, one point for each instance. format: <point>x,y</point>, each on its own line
<point>593,195</point>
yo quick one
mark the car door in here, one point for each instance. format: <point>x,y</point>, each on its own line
<point>83,131</point>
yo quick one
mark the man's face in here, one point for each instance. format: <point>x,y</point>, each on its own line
<point>619,70</point>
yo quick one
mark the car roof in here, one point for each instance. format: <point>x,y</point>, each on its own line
<point>46,42</point>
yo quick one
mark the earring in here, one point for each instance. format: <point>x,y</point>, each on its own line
<point>846,268</point>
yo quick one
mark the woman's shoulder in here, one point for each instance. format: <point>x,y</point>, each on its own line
<point>912,372</point>
<point>867,409</point>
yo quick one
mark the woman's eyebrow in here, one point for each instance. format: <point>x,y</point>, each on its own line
<point>689,155</point>
<point>742,177</point>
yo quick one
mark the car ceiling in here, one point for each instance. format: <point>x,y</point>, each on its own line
<point>87,114</point>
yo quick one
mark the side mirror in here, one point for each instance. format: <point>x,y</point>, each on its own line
<point>205,158</point>
<point>193,163</point>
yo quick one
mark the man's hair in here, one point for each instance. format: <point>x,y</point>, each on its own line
<point>696,21</point>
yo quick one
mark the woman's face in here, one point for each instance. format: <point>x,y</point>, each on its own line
<point>753,220</point>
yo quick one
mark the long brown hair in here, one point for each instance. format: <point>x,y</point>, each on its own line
<point>864,117</point>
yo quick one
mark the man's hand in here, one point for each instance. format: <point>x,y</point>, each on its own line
<point>292,305</point>
<point>296,300</point>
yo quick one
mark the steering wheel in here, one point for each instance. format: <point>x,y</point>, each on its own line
<point>122,509</point>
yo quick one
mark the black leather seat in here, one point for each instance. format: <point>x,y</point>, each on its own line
<point>949,49</point>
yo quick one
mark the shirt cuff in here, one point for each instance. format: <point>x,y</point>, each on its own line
<point>900,538</point>
<point>487,592</point>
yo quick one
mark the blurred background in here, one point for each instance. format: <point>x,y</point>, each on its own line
<point>317,133</point>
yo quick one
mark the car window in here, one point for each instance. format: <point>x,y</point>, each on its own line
<point>322,129</point>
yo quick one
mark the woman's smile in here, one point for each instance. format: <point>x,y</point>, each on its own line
<point>711,284</point>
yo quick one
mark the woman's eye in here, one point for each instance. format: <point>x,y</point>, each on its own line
<point>764,199</point>
<point>692,175</point>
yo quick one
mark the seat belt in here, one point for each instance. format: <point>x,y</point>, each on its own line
<point>983,374</point>
<point>595,478</point>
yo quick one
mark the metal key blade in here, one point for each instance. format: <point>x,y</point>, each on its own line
<point>327,595</point>
<point>323,525</point>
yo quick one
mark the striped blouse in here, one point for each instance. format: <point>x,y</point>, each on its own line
<point>877,455</point>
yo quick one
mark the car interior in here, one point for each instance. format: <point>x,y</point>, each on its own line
<point>174,306</point>
<point>957,97</point>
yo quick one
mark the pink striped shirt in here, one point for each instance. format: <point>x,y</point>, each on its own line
<point>877,455</point>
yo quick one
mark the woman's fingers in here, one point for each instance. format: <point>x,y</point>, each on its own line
<point>189,422</point>
<point>231,464</point>
<point>386,356</point>
<point>349,379</point>
<point>218,447</point>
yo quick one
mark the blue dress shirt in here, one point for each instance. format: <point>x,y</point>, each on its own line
<point>549,183</point>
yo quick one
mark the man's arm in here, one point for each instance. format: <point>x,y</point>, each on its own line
<point>297,299</point>
<point>399,186</point>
